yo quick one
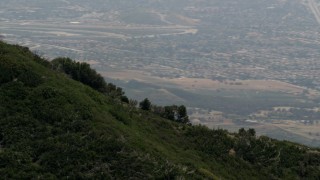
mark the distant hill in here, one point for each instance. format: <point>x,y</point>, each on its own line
<point>58,123</point>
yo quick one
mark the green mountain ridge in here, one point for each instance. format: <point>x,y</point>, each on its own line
<point>54,127</point>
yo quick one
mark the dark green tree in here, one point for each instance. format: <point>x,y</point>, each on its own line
<point>169,112</point>
<point>125,99</point>
<point>252,132</point>
<point>182,115</point>
<point>145,104</point>
<point>242,132</point>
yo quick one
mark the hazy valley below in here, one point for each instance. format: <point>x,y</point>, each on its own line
<point>233,63</point>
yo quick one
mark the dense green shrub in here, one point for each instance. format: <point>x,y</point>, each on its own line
<point>120,115</point>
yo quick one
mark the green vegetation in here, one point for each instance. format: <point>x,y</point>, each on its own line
<point>52,126</point>
<point>173,113</point>
<point>83,73</point>
<point>145,104</point>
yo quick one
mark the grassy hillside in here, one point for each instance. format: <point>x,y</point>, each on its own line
<point>53,127</point>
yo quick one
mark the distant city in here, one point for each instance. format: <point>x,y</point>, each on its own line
<point>233,63</point>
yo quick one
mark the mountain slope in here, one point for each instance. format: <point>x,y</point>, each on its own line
<point>54,127</point>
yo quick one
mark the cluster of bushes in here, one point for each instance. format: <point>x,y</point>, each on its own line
<point>264,155</point>
<point>173,113</point>
<point>81,71</point>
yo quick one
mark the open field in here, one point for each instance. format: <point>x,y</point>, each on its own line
<point>201,84</point>
<point>301,128</point>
